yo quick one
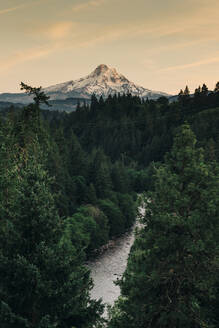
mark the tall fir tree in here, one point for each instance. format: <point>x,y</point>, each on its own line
<point>43,280</point>
<point>170,277</point>
<point>43,283</point>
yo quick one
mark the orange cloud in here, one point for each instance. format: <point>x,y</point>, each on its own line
<point>59,30</point>
<point>206,61</point>
<point>23,56</point>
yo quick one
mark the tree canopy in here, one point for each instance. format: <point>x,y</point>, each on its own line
<point>171,272</point>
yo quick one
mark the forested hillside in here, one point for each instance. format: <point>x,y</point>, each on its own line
<point>171,279</point>
<point>69,183</point>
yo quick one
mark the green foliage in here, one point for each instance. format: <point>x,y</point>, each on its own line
<point>170,277</point>
<point>128,209</point>
<point>43,282</point>
<point>98,229</point>
<point>114,215</point>
<point>68,184</point>
<point>41,270</point>
<point>39,96</point>
<point>91,196</point>
<point>120,178</point>
<point>100,174</point>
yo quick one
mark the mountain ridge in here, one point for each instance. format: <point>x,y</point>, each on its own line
<point>103,81</point>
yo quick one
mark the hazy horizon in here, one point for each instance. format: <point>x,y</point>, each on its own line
<point>160,45</point>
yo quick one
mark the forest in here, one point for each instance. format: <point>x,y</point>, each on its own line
<point>70,183</point>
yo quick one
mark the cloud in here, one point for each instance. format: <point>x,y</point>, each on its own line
<point>8,10</point>
<point>200,21</point>
<point>24,56</point>
<point>59,30</point>
<point>69,35</point>
<point>176,45</point>
<point>87,5</point>
<point>105,35</point>
<point>22,5</point>
<point>53,32</point>
<point>206,61</point>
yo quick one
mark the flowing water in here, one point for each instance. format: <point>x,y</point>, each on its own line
<point>110,266</point>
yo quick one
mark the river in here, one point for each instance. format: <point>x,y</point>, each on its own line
<point>109,266</point>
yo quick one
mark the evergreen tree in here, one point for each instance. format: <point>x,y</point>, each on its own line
<point>100,175</point>
<point>115,217</point>
<point>38,94</point>
<point>216,87</point>
<point>43,283</point>
<point>186,91</point>
<point>184,97</point>
<point>76,157</point>
<point>119,178</point>
<point>91,196</point>
<point>197,91</point>
<point>180,95</point>
<point>197,98</point>
<point>42,280</point>
<point>170,277</point>
<point>204,90</point>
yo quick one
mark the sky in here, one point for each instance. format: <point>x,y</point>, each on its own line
<point>162,45</point>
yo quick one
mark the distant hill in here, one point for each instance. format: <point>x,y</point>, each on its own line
<point>66,105</point>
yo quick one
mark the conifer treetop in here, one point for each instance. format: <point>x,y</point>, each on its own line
<point>39,96</point>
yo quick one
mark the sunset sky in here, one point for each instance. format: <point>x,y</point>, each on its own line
<point>159,44</point>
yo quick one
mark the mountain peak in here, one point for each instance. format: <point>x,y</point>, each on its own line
<point>102,68</point>
<point>103,81</point>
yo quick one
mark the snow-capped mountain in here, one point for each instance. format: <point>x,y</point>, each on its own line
<point>103,81</point>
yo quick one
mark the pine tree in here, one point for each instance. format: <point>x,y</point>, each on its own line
<point>77,164</point>
<point>100,175</point>
<point>170,277</point>
<point>119,178</point>
<point>115,217</point>
<point>91,196</point>
<point>180,95</point>
<point>186,91</point>
<point>216,87</point>
<point>38,94</point>
<point>184,96</point>
<point>204,90</point>
<point>8,170</point>
<point>197,91</point>
<point>43,283</point>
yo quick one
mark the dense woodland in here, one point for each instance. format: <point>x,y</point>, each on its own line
<point>69,183</point>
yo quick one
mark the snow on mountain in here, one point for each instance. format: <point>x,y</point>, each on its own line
<point>103,81</point>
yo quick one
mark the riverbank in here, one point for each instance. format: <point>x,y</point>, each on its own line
<point>109,266</point>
